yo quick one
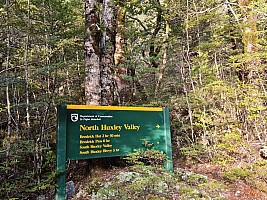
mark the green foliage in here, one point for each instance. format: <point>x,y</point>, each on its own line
<point>48,183</point>
<point>191,178</point>
<point>236,173</point>
<point>254,175</point>
<point>147,157</point>
<point>194,151</point>
<point>19,179</point>
<point>214,185</point>
<point>52,31</point>
<point>93,185</point>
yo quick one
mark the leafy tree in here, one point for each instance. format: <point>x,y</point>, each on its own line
<point>42,53</point>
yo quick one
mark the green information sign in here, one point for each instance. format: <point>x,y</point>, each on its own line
<point>86,132</point>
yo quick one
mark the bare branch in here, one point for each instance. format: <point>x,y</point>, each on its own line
<point>138,20</point>
<point>235,16</point>
<point>208,9</point>
<point>7,69</point>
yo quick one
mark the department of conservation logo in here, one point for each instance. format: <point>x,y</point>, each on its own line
<point>74,117</point>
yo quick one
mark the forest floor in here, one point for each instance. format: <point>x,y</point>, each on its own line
<point>240,188</point>
<point>235,189</point>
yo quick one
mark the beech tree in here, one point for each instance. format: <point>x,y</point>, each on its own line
<point>92,53</point>
<point>99,52</point>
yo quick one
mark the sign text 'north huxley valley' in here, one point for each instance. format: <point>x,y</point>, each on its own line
<point>114,127</point>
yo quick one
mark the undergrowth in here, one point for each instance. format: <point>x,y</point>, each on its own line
<point>141,180</point>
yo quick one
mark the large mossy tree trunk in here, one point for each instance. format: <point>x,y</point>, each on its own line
<point>99,48</point>
<point>92,53</point>
<point>107,46</point>
<point>99,52</point>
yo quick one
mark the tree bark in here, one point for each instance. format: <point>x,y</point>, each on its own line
<point>121,85</point>
<point>92,53</point>
<point>164,59</point>
<point>250,35</point>
<point>119,40</point>
<point>153,50</point>
<point>99,52</point>
<point>9,117</point>
<point>27,73</point>
<point>107,44</point>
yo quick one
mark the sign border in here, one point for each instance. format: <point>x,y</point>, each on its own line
<point>88,107</point>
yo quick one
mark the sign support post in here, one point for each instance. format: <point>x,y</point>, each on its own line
<point>61,152</point>
<point>169,163</point>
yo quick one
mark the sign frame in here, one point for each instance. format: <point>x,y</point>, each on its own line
<point>63,112</point>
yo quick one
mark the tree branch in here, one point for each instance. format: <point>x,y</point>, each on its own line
<point>235,16</point>
<point>138,20</point>
<point>4,70</point>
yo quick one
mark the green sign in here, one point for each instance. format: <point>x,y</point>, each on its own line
<point>86,132</point>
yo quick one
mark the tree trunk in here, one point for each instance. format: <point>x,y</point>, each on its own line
<point>250,35</point>
<point>119,40</point>
<point>121,85</point>
<point>7,83</point>
<point>27,74</point>
<point>92,53</point>
<point>153,50</point>
<point>164,59</point>
<point>107,53</point>
<point>99,52</point>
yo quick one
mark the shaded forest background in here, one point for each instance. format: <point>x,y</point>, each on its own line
<point>205,60</point>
